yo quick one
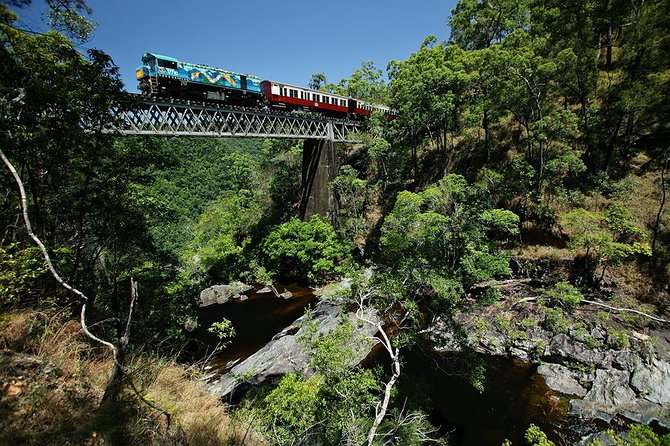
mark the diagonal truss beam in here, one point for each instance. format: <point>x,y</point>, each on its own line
<point>152,118</point>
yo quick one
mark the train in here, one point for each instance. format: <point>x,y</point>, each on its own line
<point>168,78</point>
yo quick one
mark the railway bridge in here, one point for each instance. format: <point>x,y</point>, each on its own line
<point>319,134</point>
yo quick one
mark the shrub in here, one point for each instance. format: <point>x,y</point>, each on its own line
<point>19,268</point>
<point>556,321</point>
<point>535,437</point>
<point>304,251</point>
<point>563,294</point>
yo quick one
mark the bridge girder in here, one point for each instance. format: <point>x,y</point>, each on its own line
<point>163,119</point>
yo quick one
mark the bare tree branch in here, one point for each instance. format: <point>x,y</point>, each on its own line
<point>124,340</point>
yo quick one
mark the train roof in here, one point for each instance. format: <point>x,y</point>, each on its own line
<point>159,56</point>
<point>309,89</point>
<point>172,59</point>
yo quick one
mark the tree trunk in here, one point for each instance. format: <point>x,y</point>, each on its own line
<point>608,61</point>
<point>381,413</point>
<point>661,207</point>
<point>113,387</point>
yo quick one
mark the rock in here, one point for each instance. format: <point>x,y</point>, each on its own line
<point>610,389</point>
<point>285,353</point>
<point>264,290</point>
<point>652,382</point>
<point>286,295</point>
<point>219,294</point>
<point>611,395</point>
<point>599,438</point>
<point>560,379</point>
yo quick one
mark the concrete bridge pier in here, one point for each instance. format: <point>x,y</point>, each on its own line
<point>319,168</point>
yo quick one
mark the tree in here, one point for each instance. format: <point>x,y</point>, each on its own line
<point>67,16</point>
<point>304,251</point>
<point>352,195</point>
<point>477,25</point>
<point>609,239</point>
<point>366,82</point>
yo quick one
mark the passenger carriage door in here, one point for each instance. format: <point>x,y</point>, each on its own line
<point>243,82</point>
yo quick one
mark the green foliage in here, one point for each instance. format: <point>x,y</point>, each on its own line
<point>556,321</point>
<point>501,221</point>
<point>439,230</point>
<point>284,187</point>
<point>331,407</point>
<point>535,437</point>
<point>223,330</point>
<point>618,339</point>
<point>502,323</point>
<point>620,222</point>
<point>528,323</point>
<point>19,269</point>
<point>293,409</point>
<point>349,391</point>
<point>564,295</point>
<point>216,251</point>
<point>304,251</point>
<point>636,435</point>
<point>610,239</point>
<point>352,194</point>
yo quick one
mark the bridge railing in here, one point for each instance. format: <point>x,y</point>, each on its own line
<point>154,118</point>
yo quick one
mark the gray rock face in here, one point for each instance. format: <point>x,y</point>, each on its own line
<point>286,354</point>
<point>633,382</point>
<point>652,382</point>
<point>561,379</point>
<point>219,294</point>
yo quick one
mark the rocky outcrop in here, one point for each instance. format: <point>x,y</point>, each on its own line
<point>605,382</point>
<point>286,353</point>
<point>220,294</point>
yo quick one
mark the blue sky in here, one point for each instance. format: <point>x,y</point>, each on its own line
<point>285,40</point>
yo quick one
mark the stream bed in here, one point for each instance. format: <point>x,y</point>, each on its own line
<point>514,394</point>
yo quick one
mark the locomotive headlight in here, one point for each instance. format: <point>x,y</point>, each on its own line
<point>139,74</point>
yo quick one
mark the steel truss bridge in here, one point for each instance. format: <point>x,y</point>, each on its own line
<point>183,119</point>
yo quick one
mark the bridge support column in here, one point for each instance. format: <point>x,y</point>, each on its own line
<point>319,168</point>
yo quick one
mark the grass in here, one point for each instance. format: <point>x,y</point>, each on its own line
<point>52,380</point>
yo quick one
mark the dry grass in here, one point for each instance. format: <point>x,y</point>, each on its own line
<point>52,381</point>
<point>542,252</point>
<point>201,416</point>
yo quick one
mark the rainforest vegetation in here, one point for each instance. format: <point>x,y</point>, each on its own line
<point>538,133</point>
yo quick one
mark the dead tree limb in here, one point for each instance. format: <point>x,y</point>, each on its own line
<point>599,304</point>
<point>394,353</point>
<point>628,310</point>
<point>23,201</point>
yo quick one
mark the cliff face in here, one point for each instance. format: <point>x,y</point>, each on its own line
<point>611,367</point>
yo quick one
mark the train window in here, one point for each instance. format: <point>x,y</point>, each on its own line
<point>167,64</point>
<point>294,93</point>
<point>326,99</point>
<point>316,97</point>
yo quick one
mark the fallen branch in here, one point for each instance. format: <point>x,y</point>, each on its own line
<point>609,307</point>
<point>629,310</point>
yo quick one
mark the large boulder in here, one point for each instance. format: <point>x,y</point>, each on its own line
<point>220,294</point>
<point>561,379</point>
<point>286,353</point>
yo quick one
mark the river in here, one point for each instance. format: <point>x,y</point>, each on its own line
<point>514,394</point>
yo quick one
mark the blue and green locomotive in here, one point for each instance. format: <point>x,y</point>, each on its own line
<point>165,76</point>
<point>168,78</point>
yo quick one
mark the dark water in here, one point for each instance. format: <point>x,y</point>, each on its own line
<point>514,395</point>
<point>256,320</point>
